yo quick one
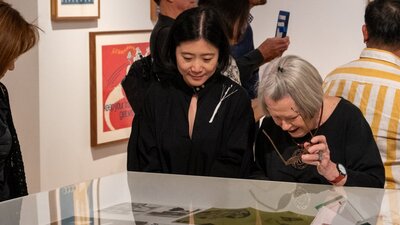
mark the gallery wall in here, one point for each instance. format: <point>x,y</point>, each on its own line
<point>66,155</point>
<point>325,32</point>
<point>50,90</point>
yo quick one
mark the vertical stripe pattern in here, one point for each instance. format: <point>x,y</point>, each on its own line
<point>372,83</point>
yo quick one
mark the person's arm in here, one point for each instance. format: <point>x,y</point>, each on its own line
<point>271,48</point>
<point>359,156</point>
<point>143,154</point>
<point>132,151</point>
<point>363,162</point>
<point>159,48</point>
<point>267,51</point>
<point>249,63</point>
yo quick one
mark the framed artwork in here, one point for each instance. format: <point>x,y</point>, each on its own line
<point>111,54</point>
<point>75,9</point>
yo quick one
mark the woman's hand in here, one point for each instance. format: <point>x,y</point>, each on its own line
<point>318,152</point>
<point>319,155</point>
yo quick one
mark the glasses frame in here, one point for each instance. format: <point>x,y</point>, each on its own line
<point>294,161</point>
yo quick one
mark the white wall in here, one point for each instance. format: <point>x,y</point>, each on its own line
<point>66,155</point>
<point>50,87</point>
<point>327,33</point>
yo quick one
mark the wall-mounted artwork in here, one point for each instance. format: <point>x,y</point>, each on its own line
<point>111,55</point>
<point>75,9</point>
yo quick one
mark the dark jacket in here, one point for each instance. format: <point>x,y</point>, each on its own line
<point>222,137</point>
<point>12,174</point>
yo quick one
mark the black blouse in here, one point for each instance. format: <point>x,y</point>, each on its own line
<point>350,142</point>
<point>221,147</point>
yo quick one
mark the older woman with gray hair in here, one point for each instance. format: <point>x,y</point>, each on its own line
<point>307,137</point>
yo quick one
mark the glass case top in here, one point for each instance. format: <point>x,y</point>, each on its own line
<point>162,199</point>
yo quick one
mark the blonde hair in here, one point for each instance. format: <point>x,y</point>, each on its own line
<point>295,77</point>
<point>16,36</point>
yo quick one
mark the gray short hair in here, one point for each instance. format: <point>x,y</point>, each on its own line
<point>295,77</point>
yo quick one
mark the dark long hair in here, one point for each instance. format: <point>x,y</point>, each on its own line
<point>157,2</point>
<point>235,14</point>
<point>382,18</point>
<point>195,24</point>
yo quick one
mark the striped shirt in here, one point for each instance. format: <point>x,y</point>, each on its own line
<point>372,83</point>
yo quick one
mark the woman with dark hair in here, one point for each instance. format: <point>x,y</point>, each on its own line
<point>195,121</point>
<point>16,37</point>
<point>235,14</point>
<point>245,60</point>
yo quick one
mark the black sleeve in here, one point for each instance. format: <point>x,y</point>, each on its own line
<point>142,146</point>
<point>249,63</point>
<point>159,49</point>
<point>132,152</point>
<point>148,152</point>
<point>238,140</point>
<point>363,162</point>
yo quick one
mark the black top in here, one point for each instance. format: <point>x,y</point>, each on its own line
<point>350,142</point>
<point>222,147</point>
<point>158,39</point>
<point>247,63</point>
<point>12,174</point>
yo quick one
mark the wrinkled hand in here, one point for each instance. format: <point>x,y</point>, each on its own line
<point>319,155</point>
<point>273,47</point>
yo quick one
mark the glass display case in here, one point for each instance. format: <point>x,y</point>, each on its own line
<point>162,199</point>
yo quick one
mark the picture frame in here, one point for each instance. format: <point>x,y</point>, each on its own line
<point>111,54</point>
<point>75,9</point>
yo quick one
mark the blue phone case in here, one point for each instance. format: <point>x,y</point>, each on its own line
<point>282,24</point>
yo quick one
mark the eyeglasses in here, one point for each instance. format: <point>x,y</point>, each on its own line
<point>290,120</point>
<point>295,160</point>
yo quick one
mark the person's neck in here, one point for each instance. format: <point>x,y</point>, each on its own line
<point>395,51</point>
<point>169,10</point>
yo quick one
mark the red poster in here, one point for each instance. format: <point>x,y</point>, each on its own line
<point>116,60</point>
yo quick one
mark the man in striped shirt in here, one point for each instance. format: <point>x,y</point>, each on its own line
<point>373,82</point>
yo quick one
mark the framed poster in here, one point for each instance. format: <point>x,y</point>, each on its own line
<point>111,54</point>
<point>75,9</point>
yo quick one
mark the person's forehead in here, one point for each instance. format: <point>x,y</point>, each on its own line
<point>283,106</point>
